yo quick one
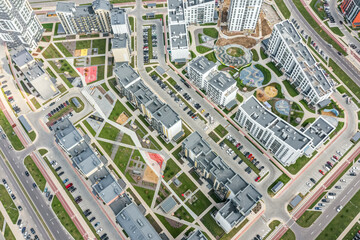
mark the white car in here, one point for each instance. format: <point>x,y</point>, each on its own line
<point>342,180</point>
<point>338,152</point>
<point>99,230</point>
<point>309,184</point>
<point>338,209</point>
<point>355,168</point>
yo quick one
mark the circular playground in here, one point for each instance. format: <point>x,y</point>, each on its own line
<point>266,93</point>
<point>252,77</point>
<point>233,55</point>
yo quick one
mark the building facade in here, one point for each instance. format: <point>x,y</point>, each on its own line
<point>84,19</point>
<point>19,25</point>
<point>351,11</point>
<point>295,60</point>
<point>243,14</point>
<point>199,11</point>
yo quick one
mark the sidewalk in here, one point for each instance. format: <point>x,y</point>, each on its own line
<point>12,226</point>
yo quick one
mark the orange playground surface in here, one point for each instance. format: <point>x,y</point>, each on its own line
<point>90,73</point>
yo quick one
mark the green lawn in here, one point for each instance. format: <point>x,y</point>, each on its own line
<point>146,194</point>
<point>265,72</point>
<point>98,60</point>
<point>109,132</point>
<point>182,214</point>
<point>239,98</point>
<point>8,233</point>
<point>283,178</point>
<point>100,72</point>
<point>65,67</point>
<point>308,218</point>
<point>35,172</point>
<point>155,144</point>
<point>255,55</point>
<point>106,146</point>
<point>283,9</point>
<point>337,129</point>
<point>200,205</point>
<point>9,205</point>
<point>66,81</point>
<point>211,57</point>
<point>51,52</point>
<point>48,27</point>
<point>122,158</point>
<point>168,146</point>
<point>137,156</point>
<point>176,153</point>
<point>42,153</point>
<point>263,54</point>
<point>100,44</point>
<point>132,24</point>
<point>105,87</point>
<point>352,232</point>
<point>64,218</point>
<point>289,235</point>
<point>214,137</point>
<point>202,49</point>
<point>117,110</point>
<point>63,49</point>
<point>126,139</point>
<point>303,102</point>
<point>14,139</point>
<point>174,231</point>
<point>211,224</point>
<point>171,169</point>
<point>308,121</point>
<point>276,70</point>
<point>211,32</point>
<point>83,44</point>
<point>186,184</point>
<point>300,163</point>
<point>290,88</point>
<point>272,227</point>
<point>221,131</point>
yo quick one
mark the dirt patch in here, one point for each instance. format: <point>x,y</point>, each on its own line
<point>77,53</point>
<point>265,28</point>
<point>257,31</point>
<point>150,176</point>
<point>271,91</point>
<point>331,114</point>
<point>173,223</point>
<point>243,41</point>
<point>261,96</point>
<point>122,118</point>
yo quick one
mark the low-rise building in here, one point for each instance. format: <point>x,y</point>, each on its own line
<point>288,52</point>
<point>319,131</point>
<point>66,135</point>
<point>108,189</point>
<point>135,224</point>
<point>85,159</point>
<point>285,141</point>
<point>241,197</point>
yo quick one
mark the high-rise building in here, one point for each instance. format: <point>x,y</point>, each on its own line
<point>351,11</point>
<point>18,24</point>
<point>243,14</point>
<point>84,19</point>
<point>199,11</point>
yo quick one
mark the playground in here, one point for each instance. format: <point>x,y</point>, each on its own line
<point>233,55</point>
<point>90,73</point>
<point>252,77</point>
<point>283,107</point>
<point>266,94</point>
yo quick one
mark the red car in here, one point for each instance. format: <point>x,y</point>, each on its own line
<point>238,145</point>
<point>328,162</point>
<point>249,156</point>
<point>69,185</point>
<point>252,159</point>
<point>257,179</point>
<point>335,157</point>
<point>322,172</point>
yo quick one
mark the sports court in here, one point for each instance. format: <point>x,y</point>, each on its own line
<point>90,73</point>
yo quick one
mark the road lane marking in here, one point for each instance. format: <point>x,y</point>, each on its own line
<point>327,216</point>
<point>312,233</point>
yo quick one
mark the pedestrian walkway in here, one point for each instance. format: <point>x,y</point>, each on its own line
<point>7,221</point>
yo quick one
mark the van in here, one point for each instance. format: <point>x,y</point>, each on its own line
<point>330,197</point>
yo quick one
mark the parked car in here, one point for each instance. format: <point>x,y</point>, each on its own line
<point>257,179</point>
<point>322,172</point>
<point>69,185</point>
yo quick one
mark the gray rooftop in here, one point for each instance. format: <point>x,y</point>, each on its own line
<point>142,93</point>
<point>288,31</point>
<point>108,188</point>
<point>65,6</point>
<point>319,130</point>
<point>198,2</point>
<point>221,81</point>
<point>279,127</point>
<point>168,204</point>
<point>125,74</point>
<point>197,235</point>
<point>101,4</point>
<point>154,105</point>
<point>296,200</point>
<point>135,224</point>
<point>84,11</point>
<point>178,35</point>
<point>118,16</point>
<point>196,144</point>
<point>356,137</point>
<point>85,158</point>
<point>21,56</point>
<point>202,64</point>
<point>167,116</point>
<point>176,11</point>
<point>66,133</point>
<point>119,41</point>
<point>25,123</point>
<point>277,187</point>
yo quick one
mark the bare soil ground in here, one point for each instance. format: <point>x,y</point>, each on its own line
<point>243,41</point>
<point>265,28</point>
<point>122,119</point>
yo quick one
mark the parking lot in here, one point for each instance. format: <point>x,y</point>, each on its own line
<point>150,43</point>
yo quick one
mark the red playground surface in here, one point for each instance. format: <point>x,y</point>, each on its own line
<point>90,73</point>
<point>157,157</point>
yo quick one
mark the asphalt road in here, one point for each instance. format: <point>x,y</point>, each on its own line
<point>343,63</point>
<point>37,197</point>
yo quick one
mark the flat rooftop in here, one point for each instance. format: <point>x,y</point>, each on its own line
<point>108,189</point>
<point>178,36</point>
<point>66,133</point>
<point>118,16</point>
<point>222,82</point>
<point>196,144</point>
<point>85,158</point>
<point>319,130</point>
<point>125,74</point>
<point>202,64</point>
<point>21,56</point>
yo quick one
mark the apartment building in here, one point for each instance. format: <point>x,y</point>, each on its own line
<point>288,52</point>
<point>119,21</point>
<point>19,25</point>
<point>243,14</point>
<point>220,87</point>
<point>108,189</point>
<point>319,131</point>
<point>351,12</point>
<point>36,78</point>
<point>197,235</point>
<point>85,18</point>
<point>179,43</point>
<point>199,11</point>
<point>120,48</point>
<point>160,115</point>
<point>241,197</point>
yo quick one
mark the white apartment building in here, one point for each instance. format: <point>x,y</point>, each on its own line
<point>199,11</point>
<point>243,14</point>
<point>285,141</point>
<point>218,86</point>
<point>119,21</point>
<point>295,60</point>
<point>19,25</point>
